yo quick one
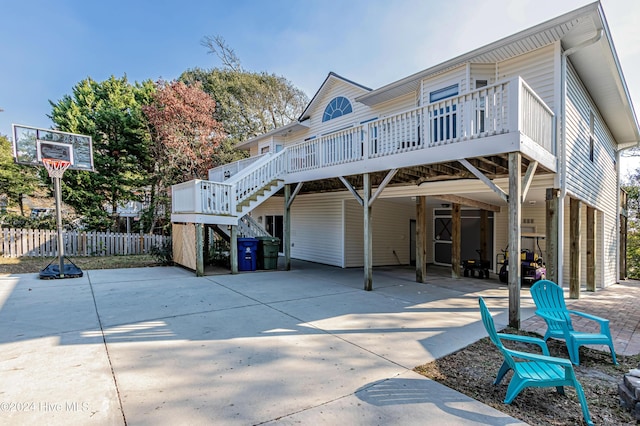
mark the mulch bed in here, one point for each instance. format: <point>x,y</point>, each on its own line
<point>473,369</point>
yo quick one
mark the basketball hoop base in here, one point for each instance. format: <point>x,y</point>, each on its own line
<point>52,271</point>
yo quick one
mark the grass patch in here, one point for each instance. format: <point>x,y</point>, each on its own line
<point>25,265</point>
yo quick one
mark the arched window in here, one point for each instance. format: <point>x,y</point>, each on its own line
<point>337,107</point>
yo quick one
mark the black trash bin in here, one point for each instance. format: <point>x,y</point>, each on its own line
<point>247,254</point>
<point>268,248</point>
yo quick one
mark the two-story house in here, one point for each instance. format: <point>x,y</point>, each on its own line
<point>454,162</point>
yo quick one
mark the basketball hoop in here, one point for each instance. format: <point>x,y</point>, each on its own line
<point>55,167</point>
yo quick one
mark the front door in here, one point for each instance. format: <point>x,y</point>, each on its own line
<point>442,240</point>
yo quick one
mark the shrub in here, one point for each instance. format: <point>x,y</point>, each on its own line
<point>163,254</point>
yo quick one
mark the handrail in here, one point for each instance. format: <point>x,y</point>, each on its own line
<point>258,177</point>
<point>226,171</point>
<point>248,227</point>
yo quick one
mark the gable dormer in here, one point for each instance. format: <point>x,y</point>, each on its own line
<point>334,105</point>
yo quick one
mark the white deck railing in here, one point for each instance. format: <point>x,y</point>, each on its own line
<point>226,171</point>
<point>203,197</point>
<point>505,107</point>
<point>257,178</point>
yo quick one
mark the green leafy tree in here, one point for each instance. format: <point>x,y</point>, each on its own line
<point>633,225</point>
<point>248,103</point>
<point>111,113</point>
<point>16,180</point>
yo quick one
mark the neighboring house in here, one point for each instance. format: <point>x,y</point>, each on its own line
<point>521,135</point>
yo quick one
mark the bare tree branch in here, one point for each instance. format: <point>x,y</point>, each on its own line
<point>218,46</point>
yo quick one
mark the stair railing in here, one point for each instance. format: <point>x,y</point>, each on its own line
<point>258,177</point>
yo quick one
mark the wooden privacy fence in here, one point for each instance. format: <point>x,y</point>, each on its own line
<point>44,243</point>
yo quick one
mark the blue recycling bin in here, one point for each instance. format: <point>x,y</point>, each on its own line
<point>247,254</point>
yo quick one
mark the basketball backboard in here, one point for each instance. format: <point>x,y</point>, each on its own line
<point>31,145</point>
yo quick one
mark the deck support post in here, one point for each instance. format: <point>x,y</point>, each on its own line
<point>575,206</point>
<point>288,200</point>
<point>199,250</point>
<point>484,234</point>
<point>515,215</point>
<point>455,240</point>
<point>552,226</point>
<point>233,242</point>
<point>286,232</point>
<point>421,239</point>
<point>591,249</point>
<point>368,234</point>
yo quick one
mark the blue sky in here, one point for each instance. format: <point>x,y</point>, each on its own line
<point>47,47</point>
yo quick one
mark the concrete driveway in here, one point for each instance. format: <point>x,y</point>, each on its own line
<point>159,346</point>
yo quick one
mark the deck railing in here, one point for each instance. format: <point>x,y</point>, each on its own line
<point>202,196</point>
<point>258,177</point>
<point>226,171</point>
<point>504,107</point>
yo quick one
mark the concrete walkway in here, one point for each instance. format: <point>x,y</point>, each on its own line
<point>159,346</point>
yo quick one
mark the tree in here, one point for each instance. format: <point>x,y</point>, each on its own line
<point>632,188</point>
<point>185,133</point>
<point>111,113</point>
<point>248,103</point>
<point>186,137</point>
<point>16,180</point>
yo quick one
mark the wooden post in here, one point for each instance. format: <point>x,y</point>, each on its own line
<point>421,239</point>
<point>591,249</point>
<point>234,248</point>
<point>484,231</point>
<point>515,215</point>
<point>552,224</point>
<point>574,248</point>
<point>368,234</point>
<point>199,250</point>
<point>622,274</point>
<point>287,227</point>
<point>455,240</point>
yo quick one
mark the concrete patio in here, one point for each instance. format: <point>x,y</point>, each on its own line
<point>160,346</point>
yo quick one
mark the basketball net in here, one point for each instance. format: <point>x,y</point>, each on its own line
<point>55,167</point>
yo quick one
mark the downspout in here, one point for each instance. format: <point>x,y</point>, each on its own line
<point>618,212</point>
<point>563,131</point>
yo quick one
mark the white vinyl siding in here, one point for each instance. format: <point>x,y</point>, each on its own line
<point>390,232</point>
<point>536,68</point>
<point>316,229</point>
<point>483,72</point>
<point>273,206</point>
<point>353,234</point>
<point>595,182</point>
<point>533,220</point>
<point>338,88</point>
<point>403,103</point>
<point>446,79</point>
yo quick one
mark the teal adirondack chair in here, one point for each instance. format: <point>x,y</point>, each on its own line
<point>549,299</point>
<point>532,370</point>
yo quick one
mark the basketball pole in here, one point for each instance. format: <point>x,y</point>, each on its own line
<point>58,194</point>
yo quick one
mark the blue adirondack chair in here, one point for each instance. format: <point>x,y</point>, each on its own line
<point>549,299</point>
<point>532,370</point>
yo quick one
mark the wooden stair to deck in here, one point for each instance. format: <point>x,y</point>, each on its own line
<point>261,192</point>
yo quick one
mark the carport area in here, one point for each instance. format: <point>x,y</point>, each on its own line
<point>308,346</point>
